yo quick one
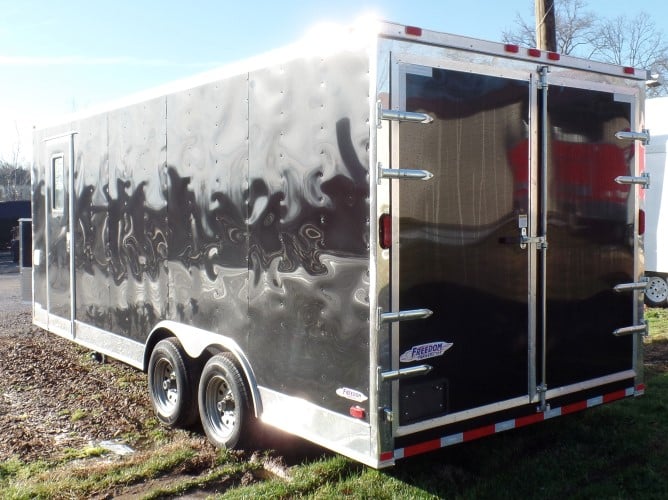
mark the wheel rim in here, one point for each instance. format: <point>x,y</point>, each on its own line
<point>165,388</point>
<point>657,290</point>
<point>221,407</point>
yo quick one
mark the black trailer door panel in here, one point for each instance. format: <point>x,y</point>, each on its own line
<point>590,234</point>
<point>515,242</point>
<point>459,249</point>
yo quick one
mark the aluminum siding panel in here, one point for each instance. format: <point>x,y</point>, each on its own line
<point>309,227</point>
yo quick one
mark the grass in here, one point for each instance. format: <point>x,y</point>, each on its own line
<point>77,415</point>
<point>76,477</point>
<point>618,450</point>
<point>657,317</point>
<point>614,451</point>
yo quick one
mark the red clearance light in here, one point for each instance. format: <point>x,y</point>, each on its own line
<point>385,231</point>
<point>641,222</point>
<point>553,56</point>
<point>357,412</point>
<point>509,47</point>
<point>413,30</point>
<point>533,52</point>
<point>628,70</point>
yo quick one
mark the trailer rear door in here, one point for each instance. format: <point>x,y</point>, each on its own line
<point>590,228</point>
<point>459,252</point>
<point>515,240</point>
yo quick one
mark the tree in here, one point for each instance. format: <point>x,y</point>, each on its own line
<point>625,41</point>
<point>574,26</point>
<point>633,42</point>
<point>14,176</point>
<point>14,182</point>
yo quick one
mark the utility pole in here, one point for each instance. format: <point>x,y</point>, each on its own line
<point>546,33</point>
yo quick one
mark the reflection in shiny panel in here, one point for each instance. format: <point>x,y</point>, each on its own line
<point>239,207</point>
<point>459,242</point>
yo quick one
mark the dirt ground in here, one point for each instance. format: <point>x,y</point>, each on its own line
<point>55,398</point>
<point>53,395</point>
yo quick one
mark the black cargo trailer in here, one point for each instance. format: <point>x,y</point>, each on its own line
<point>394,243</point>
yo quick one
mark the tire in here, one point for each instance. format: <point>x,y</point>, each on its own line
<point>170,384</point>
<point>224,406</point>
<point>656,293</point>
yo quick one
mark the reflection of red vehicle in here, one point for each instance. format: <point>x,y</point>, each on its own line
<point>582,181</point>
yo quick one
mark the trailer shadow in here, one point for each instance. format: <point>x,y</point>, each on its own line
<point>292,449</point>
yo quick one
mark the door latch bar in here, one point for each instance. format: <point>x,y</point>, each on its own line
<point>541,241</point>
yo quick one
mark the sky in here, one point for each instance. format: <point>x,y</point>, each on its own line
<point>60,56</point>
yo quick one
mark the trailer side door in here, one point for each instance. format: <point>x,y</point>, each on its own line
<point>58,159</point>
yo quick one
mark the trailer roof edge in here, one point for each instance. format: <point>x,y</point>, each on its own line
<point>415,34</point>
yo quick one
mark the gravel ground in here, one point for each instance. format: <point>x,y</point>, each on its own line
<point>53,396</point>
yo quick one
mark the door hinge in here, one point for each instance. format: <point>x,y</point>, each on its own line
<point>405,116</point>
<point>631,287</point>
<point>630,135</point>
<point>643,180</point>
<point>413,371</point>
<point>391,317</point>
<point>403,174</point>
<point>631,330</point>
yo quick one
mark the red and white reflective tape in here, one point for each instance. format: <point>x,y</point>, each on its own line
<point>488,430</point>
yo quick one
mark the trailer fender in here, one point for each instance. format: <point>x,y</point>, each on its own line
<point>195,341</point>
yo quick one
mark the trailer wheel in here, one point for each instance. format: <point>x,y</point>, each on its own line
<point>224,405</point>
<point>656,293</point>
<point>170,384</point>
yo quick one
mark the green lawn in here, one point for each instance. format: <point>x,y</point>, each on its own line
<point>657,317</point>
<point>619,450</point>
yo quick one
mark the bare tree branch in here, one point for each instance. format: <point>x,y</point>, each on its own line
<point>626,41</point>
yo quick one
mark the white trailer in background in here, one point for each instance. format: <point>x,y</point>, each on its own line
<point>656,232</point>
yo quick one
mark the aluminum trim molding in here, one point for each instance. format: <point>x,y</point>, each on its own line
<point>301,418</point>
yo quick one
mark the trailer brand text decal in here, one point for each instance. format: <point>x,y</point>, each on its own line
<point>351,394</point>
<point>424,351</point>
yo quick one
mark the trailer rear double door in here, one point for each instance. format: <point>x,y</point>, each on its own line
<point>516,243</point>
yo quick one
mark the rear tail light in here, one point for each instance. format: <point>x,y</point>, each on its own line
<point>385,231</point>
<point>641,222</point>
<point>357,412</point>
